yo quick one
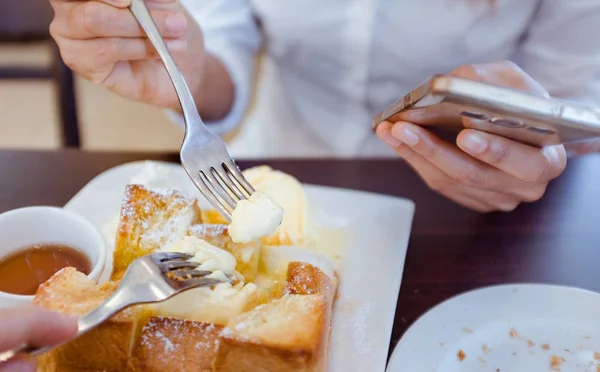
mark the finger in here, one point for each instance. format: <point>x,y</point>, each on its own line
<point>119,3</point>
<point>433,176</point>
<point>463,167</point>
<point>447,157</point>
<point>383,131</point>
<point>440,182</point>
<point>35,327</point>
<point>92,19</point>
<point>20,363</point>
<point>476,199</point>
<point>94,59</point>
<point>116,3</point>
<point>504,74</point>
<point>526,163</point>
<point>436,179</point>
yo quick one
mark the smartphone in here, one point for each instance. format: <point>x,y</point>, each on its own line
<point>444,100</point>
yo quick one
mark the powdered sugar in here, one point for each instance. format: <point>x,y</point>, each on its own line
<point>165,228</point>
<point>358,324</point>
<point>179,333</point>
<point>206,230</point>
<point>168,344</point>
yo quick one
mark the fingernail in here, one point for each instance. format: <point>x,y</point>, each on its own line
<point>176,23</point>
<point>389,139</point>
<point>475,142</point>
<point>177,45</point>
<point>405,134</point>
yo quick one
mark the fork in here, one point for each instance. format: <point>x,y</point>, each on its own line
<point>149,279</point>
<point>203,154</point>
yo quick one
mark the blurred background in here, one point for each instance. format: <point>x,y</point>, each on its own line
<point>43,106</point>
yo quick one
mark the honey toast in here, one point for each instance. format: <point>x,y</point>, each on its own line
<point>276,318</point>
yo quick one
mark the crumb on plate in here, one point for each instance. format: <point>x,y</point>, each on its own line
<point>461,355</point>
<point>556,361</point>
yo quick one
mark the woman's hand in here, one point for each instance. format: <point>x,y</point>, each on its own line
<point>32,326</point>
<point>482,171</point>
<point>102,41</point>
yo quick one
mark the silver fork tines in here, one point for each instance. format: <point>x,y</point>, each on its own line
<point>187,274</point>
<point>225,186</point>
<point>170,256</point>
<point>173,265</point>
<point>153,278</point>
<point>204,155</point>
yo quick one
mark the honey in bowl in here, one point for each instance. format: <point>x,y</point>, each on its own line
<point>22,272</point>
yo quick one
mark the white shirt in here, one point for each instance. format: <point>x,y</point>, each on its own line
<point>333,64</point>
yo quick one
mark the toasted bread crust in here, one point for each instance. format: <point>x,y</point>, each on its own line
<point>306,279</point>
<point>149,220</point>
<point>169,344</point>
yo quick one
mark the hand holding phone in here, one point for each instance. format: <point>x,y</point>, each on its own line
<point>493,168</point>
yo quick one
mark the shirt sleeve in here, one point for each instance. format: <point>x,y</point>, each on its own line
<point>562,49</point>
<point>231,35</point>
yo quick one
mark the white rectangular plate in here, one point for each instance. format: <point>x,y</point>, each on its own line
<point>377,228</point>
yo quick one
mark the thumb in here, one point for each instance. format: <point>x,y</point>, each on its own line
<point>34,326</point>
<point>20,363</point>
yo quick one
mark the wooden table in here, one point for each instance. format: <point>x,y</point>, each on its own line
<point>451,250</point>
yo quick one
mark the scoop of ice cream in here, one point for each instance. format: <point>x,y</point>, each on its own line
<point>254,218</point>
<point>208,256</point>
<point>287,192</point>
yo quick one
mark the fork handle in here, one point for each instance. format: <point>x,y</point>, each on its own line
<point>118,301</point>
<point>188,105</point>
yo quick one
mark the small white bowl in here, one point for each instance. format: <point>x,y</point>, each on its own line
<point>25,227</point>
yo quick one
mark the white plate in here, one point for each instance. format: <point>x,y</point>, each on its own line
<point>376,229</point>
<point>509,328</point>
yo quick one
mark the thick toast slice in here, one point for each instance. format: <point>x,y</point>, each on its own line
<point>105,348</point>
<point>281,336</point>
<point>286,334</point>
<point>149,220</point>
